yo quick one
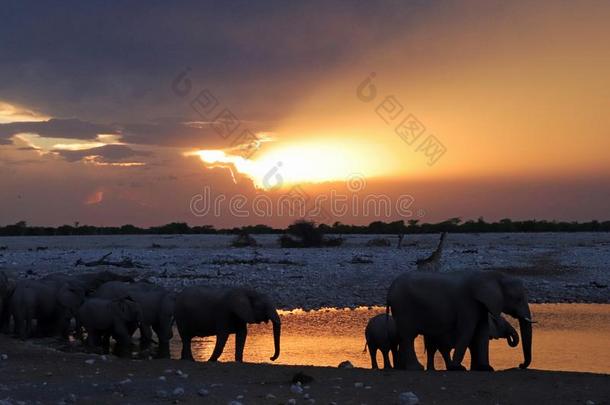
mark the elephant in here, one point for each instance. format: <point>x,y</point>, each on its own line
<point>381,335</point>
<point>457,304</point>
<point>206,311</point>
<point>52,304</point>
<point>498,329</point>
<point>7,287</point>
<point>157,306</point>
<point>104,318</point>
<point>90,282</point>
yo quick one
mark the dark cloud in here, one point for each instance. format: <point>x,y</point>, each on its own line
<point>108,153</point>
<point>92,59</point>
<point>174,134</point>
<point>56,128</point>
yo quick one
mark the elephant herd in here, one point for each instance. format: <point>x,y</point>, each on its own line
<point>454,312</point>
<point>104,305</point>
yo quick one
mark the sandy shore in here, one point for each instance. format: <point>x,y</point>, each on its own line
<point>33,373</point>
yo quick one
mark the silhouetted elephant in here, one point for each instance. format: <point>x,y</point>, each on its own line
<point>208,311</point>
<point>457,304</point>
<point>381,335</point>
<point>498,329</point>
<point>103,318</point>
<point>157,305</point>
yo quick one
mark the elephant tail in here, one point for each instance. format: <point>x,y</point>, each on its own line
<point>365,347</point>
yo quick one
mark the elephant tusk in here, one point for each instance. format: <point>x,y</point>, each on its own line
<point>529,320</point>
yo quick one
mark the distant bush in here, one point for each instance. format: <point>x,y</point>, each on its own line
<point>304,234</point>
<point>243,240</point>
<point>379,242</point>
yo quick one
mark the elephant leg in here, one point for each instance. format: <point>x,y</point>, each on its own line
<point>479,349</point>
<point>105,343</point>
<point>163,352</point>
<point>465,332</point>
<point>221,341</point>
<point>186,354</point>
<point>430,352</point>
<point>407,358</point>
<point>145,336</point>
<point>4,318</point>
<point>240,342</point>
<point>373,354</point>
<point>386,359</point>
<point>395,356</point>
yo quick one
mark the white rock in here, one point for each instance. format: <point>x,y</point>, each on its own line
<point>270,396</point>
<point>240,397</point>
<point>306,396</point>
<point>90,361</point>
<point>125,381</point>
<point>235,403</point>
<point>408,398</point>
<point>162,378</point>
<point>178,392</point>
<point>291,401</point>
<point>296,389</point>
<point>358,385</point>
<point>203,392</point>
<point>3,356</point>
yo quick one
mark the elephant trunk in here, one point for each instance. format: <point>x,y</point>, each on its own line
<point>525,326</point>
<point>512,337</point>
<point>277,330</point>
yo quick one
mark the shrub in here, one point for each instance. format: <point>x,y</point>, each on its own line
<point>303,234</point>
<point>244,240</point>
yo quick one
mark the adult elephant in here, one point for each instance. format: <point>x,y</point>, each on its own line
<point>51,304</point>
<point>7,287</point>
<point>103,318</point>
<point>89,282</point>
<point>498,329</point>
<point>457,305</point>
<point>157,305</point>
<point>207,311</point>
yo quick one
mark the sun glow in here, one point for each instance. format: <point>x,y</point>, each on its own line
<point>314,162</point>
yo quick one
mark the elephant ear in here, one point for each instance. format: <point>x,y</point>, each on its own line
<point>241,306</point>
<point>487,291</point>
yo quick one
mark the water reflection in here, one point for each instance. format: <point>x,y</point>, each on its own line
<point>569,337</point>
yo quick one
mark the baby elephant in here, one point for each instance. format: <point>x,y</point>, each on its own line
<point>381,335</point>
<point>499,328</point>
<point>103,318</point>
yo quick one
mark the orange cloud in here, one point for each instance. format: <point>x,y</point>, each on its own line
<point>95,198</point>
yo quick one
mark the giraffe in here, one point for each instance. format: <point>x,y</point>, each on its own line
<point>433,262</point>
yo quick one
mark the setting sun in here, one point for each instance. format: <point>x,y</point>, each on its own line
<point>307,162</point>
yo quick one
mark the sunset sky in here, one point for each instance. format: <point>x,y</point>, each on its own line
<point>124,113</point>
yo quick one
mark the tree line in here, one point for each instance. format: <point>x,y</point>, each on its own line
<point>453,225</point>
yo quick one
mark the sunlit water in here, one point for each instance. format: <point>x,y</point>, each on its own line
<point>567,337</point>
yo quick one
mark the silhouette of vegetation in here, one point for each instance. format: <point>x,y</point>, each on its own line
<point>244,240</point>
<point>306,234</point>
<point>452,225</point>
